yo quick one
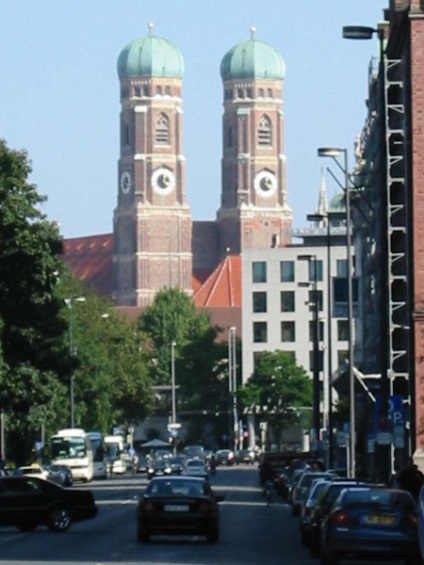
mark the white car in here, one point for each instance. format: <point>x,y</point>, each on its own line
<point>195,468</point>
<point>34,470</point>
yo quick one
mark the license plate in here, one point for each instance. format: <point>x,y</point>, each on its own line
<point>378,519</point>
<point>175,508</point>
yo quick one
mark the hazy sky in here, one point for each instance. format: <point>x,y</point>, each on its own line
<point>59,91</point>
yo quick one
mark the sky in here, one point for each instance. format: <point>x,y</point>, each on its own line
<point>59,92</point>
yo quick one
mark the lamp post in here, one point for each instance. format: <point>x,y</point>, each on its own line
<point>317,218</point>
<point>232,382</point>
<point>69,303</point>
<point>316,420</point>
<point>174,406</point>
<point>335,152</point>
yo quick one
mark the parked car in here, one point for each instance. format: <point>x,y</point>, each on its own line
<point>323,507</point>
<point>60,474</point>
<point>178,505</point>
<point>301,489</point>
<point>176,464</point>
<point>368,522</point>
<point>308,507</point>
<point>34,470</point>
<point>195,468</point>
<point>26,502</point>
<point>224,457</point>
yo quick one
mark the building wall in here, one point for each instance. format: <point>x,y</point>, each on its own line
<point>302,347</point>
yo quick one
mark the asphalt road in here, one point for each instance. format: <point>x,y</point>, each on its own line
<point>251,532</point>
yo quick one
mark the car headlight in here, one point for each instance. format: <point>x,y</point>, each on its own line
<point>150,470</point>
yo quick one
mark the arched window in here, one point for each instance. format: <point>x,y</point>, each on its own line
<point>269,93</point>
<point>264,132</point>
<point>159,90</point>
<point>261,92</point>
<point>168,90</point>
<point>162,130</point>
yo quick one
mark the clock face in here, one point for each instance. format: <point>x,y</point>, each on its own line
<point>163,181</point>
<point>125,182</point>
<point>265,183</point>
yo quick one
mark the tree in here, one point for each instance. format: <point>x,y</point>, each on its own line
<point>202,386</point>
<point>278,390</point>
<point>32,329</point>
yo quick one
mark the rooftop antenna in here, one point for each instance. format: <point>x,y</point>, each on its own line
<point>150,27</point>
<point>252,32</point>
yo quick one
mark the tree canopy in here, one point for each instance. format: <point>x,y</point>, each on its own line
<point>278,390</point>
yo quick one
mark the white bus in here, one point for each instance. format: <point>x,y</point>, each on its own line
<point>98,447</point>
<point>116,454</point>
<point>72,447</point>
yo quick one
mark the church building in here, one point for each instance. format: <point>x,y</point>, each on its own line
<point>156,243</point>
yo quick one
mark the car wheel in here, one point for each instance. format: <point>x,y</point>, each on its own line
<point>212,535</point>
<point>59,519</point>
<point>142,534</point>
<point>332,558</point>
<point>26,526</point>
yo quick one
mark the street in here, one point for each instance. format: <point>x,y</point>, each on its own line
<point>251,532</point>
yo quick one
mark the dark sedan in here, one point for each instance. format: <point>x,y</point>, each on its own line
<point>178,505</point>
<point>368,522</point>
<point>27,502</point>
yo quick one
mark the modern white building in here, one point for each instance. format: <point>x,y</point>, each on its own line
<point>278,289</point>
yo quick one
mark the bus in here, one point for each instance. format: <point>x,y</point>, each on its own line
<point>98,447</point>
<point>72,447</point>
<point>116,454</point>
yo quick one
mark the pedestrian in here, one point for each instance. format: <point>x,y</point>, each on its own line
<point>410,478</point>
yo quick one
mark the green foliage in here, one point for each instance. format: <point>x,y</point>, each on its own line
<point>278,390</point>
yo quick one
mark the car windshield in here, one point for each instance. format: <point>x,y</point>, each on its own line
<point>317,490</point>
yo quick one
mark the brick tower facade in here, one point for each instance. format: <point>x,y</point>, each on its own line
<point>152,221</point>
<point>254,210</point>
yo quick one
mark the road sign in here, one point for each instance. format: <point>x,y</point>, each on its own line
<point>175,426</point>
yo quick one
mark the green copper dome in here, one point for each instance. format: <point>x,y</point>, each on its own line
<point>150,56</point>
<point>337,203</point>
<point>253,59</point>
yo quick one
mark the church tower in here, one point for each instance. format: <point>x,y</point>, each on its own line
<point>254,210</point>
<point>152,221</point>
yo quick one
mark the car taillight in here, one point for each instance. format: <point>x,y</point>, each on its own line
<point>148,506</point>
<point>204,507</point>
<point>340,519</point>
<point>412,520</point>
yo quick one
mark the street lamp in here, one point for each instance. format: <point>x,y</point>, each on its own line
<point>174,407</point>
<point>69,303</point>
<point>315,347</point>
<point>232,381</point>
<point>334,153</point>
<point>318,218</point>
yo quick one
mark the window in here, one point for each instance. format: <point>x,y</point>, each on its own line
<point>230,136</point>
<point>260,333</point>
<point>249,93</point>
<point>320,331</point>
<point>145,90</point>
<point>259,302</point>
<point>261,92</point>
<point>162,130</point>
<point>264,132</point>
<point>137,91</point>
<point>287,300</point>
<point>287,331</point>
<point>340,290</point>
<point>312,265</point>
<point>240,93</point>
<point>158,90</point>
<point>259,272</point>
<point>287,271</point>
<point>343,330</point>
<point>319,299</point>
<point>168,90</point>
<point>269,92</point>
<point>342,268</point>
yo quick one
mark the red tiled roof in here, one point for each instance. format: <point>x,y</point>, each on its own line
<point>90,260</point>
<point>223,287</point>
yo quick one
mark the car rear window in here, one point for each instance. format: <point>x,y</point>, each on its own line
<point>379,497</point>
